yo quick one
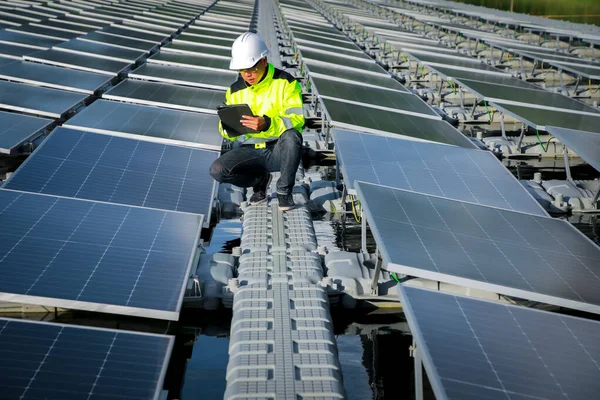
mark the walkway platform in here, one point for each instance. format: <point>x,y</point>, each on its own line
<point>282,341</point>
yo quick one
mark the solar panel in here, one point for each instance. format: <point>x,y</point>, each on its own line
<point>54,77</point>
<point>457,173</point>
<point>149,123</point>
<point>128,32</point>
<point>452,63</point>
<point>79,164</point>
<point>515,45</point>
<point>197,49</point>
<point>495,79</point>
<point>199,61</point>
<point>500,251</point>
<point>477,349</point>
<point>412,44</point>
<point>44,32</point>
<point>58,361</point>
<point>16,129</point>
<point>336,49</point>
<point>326,32</point>
<point>539,118</point>
<point>318,52</point>
<point>363,64</point>
<point>13,52</point>
<point>585,71</point>
<point>119,42</point>
<point>69,27</point>
<point>78,61</point>
<point>212,24</point>
<point>38,100</point>
<point>203,40</point>
<point>211,17</point>
<point>99,50</point>
<point>35,42</point>
<point>82,254</point>
<point>12,20</point>
<point>165,95</point>
<point>373,120</point>
<point>212,79</point>
<point>391,100</point>
<point>198,30</point>
<point>585,144</point>
<point>332,72</point>
<point>562,57</point>
<point>511,94</point>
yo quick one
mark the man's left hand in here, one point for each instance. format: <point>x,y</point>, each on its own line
<point>254,123</point>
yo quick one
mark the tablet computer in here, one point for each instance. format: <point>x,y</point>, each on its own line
<point>231,115</point>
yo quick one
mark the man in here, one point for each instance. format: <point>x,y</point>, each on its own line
<point>275,98</point>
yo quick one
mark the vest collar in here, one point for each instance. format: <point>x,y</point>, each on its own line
<point>265,81</point>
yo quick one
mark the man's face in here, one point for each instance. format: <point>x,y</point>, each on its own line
<point>254,74</point>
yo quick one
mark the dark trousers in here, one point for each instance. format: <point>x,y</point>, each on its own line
<point>245,166</point>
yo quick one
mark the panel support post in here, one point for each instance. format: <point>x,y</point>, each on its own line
<point>375,281</point>
<point>363,232</point>
<point>567,167</point>
<point>521,138</point>
<point>595,199</point>
<point>418,372</point>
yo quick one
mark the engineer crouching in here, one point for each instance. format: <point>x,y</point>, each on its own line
<point>275,98</point>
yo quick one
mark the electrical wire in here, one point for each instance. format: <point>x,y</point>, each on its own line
<point>540,140</point>
<point>590,85</point>
<point>453,85</point>
<point>355,209</point>
<point>488,110</point>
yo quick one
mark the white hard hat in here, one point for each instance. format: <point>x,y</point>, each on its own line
<point>247,50</point>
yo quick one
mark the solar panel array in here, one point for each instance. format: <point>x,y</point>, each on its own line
<point>155,156</point>
<point>147,151</point>
<point>533,105</point>
<point>105,215</point>
<point>448,211</point>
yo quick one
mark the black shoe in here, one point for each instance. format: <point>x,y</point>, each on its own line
<point>286,201</point>
<point>260,194</point>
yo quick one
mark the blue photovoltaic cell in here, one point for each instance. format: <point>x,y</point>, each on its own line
<point>476,349</point>
<point>458,173</point>
<point>81,254</point>
<point>73,163</point>
<point>496,250</point>
<point>41,360</point>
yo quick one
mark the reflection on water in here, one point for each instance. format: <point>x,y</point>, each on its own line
<point>373,353</point>
<point>205,370</point>
<point>580,11</point>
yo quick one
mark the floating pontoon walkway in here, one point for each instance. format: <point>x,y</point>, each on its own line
<point>282,342</point>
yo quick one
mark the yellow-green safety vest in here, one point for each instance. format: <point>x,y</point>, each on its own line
<point>278,96</point>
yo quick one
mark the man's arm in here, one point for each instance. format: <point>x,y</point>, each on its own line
<point>292,113</point>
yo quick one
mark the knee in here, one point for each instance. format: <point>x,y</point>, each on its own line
<point>291,137</point>
<point>216,170</point>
